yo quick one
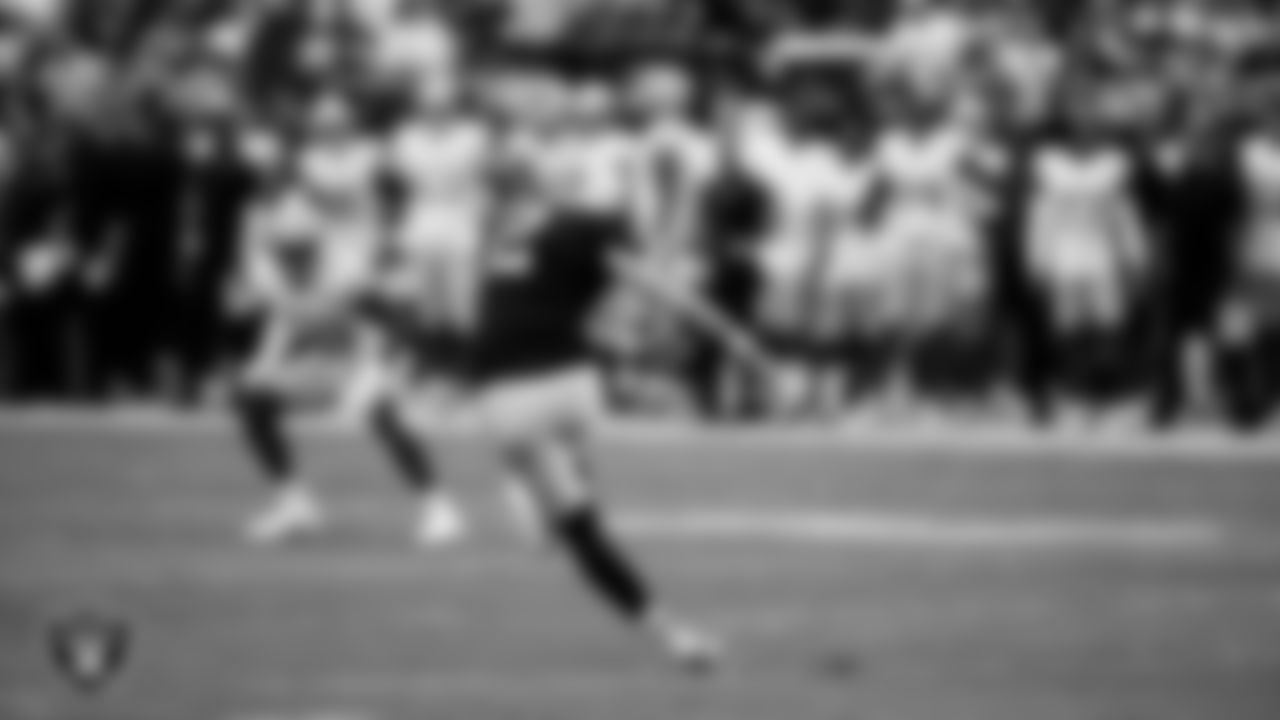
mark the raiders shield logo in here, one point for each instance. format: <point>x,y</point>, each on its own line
<point>89,650</point>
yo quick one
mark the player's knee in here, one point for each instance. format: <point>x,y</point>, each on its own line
<point>367,401</point>
<point>565,487</point>
<point>383,416</point>
<point>550,475</point>
<point>257,400</point>
<point>522,469</point>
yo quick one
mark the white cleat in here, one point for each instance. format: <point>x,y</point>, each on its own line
<point>294,512</point>
<point>693,649</point>
<point>441,523</point>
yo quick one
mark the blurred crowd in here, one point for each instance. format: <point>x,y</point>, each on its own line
<point>960,207</point>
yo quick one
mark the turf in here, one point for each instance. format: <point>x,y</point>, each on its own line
<point>142,524</point>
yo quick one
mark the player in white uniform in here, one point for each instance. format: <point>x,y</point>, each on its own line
<point>440,161</point>
<point>932,209</point>
<point>312,248</point>
<point>677,159</point>
<point>931,218</point>
<point>674,160</point>
<point>1087,257</point>
<point>813,191</point>
<point>1084,238</point>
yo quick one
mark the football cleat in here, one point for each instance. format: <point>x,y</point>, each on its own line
<point>294,512</point>
<point>695,650</point>
<point>441,522</point>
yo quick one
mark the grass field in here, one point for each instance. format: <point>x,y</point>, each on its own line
<point>857,581</point>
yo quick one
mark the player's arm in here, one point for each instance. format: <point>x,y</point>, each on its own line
<point>247,294</point>
<point>655,284</point>
<point>272,347</point>
<point>370,382</point>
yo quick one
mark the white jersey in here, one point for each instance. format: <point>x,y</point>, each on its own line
<point>340,181</point>
<point>1080,210</point>
<point>342,177</point>
<point>443,168</point>
<point>816,193</point>
<point>813,184</point>
<point>926,175</point>
<point>676,161</point>
<point>295,263</point>
<point>1260,164</point>
<point>931,197</point>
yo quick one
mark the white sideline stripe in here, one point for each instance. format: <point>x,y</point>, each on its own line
<point>979,441</point>
<point>932,531</point>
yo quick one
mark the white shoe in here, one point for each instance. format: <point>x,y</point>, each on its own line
<point>441,523</point>
<point>295,511</point>
<point>692,648</point>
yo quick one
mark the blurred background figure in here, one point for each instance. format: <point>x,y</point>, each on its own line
<point>1089,255</point>
<point>1249,326</point>
<point>927,207</point>
<point>733,216</point>
<point>934,220</point>
<point>440,158</point>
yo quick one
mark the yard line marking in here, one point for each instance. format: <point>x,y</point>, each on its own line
<point>927,531</point>
<point>973,441</point>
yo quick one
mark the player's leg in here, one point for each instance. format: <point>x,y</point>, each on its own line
<point>1068,329</point>
<point>440,519</point>
<point>285,370</point>
<point>421,284</point>
<point>556,467</point>
<point>261,412</point>
<point>1242,338</point>
<point>1031,327</point>
<point>1111,312</point>
<point>905,293</point>
<point>448,293</point>
<point>461,263</point>
<point>548,452</point>
<point>836,322</point>
<point>374,394</point>
<point>786,326</point>
<point>967,357</point>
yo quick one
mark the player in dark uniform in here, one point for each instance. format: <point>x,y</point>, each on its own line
<point>532,362</point>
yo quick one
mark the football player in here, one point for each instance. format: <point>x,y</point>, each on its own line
<point>439,162</point>
<point>312,245</point>
<point>532,362</point>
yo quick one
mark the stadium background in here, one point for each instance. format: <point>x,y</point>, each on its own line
<point>122,186</point>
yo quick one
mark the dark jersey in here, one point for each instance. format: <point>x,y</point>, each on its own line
<point>539,303</point>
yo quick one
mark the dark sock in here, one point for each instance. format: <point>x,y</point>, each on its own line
<point>602,562</point>
<point>410,457</point>
<point>261,420</point>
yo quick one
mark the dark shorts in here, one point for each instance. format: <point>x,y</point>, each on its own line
<point>521,406</point>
